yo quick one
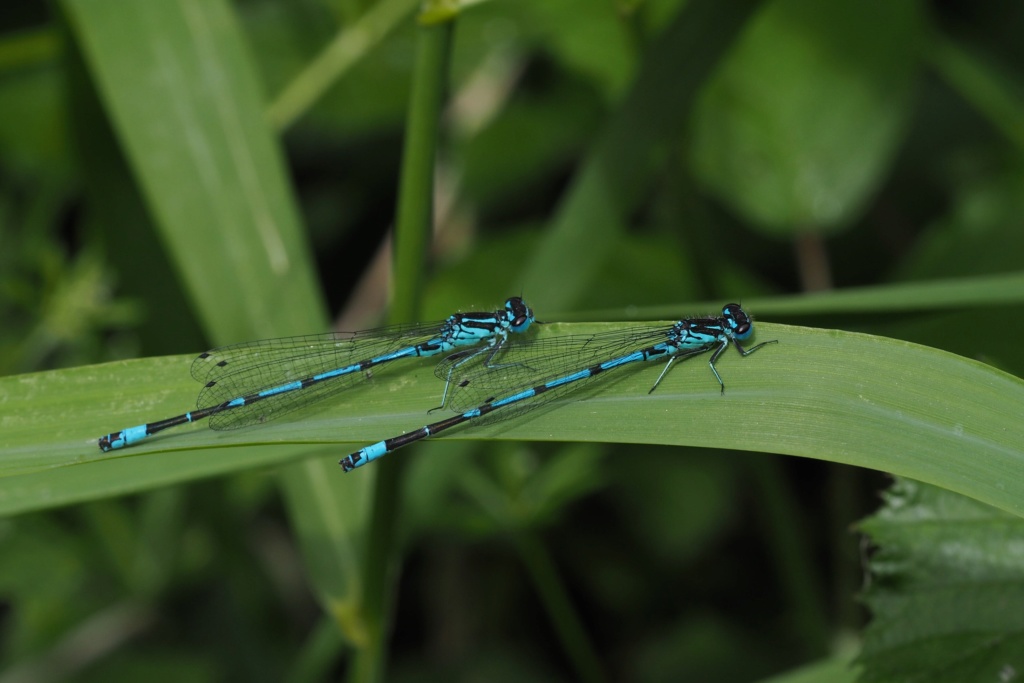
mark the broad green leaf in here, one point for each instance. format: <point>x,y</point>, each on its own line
<point>799,125</point>
<point>946,585</point>
<point>851,398</point>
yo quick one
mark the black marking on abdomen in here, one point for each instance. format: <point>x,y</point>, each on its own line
<point>426,347</point>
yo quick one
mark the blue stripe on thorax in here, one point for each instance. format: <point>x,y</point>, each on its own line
<point>692,339</point>
<point>474,330</point>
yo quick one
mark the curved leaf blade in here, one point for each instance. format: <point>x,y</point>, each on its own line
<point>840,396</point>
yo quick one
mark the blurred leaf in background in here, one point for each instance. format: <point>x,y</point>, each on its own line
<point>799,127</point>
<point>943,586</point>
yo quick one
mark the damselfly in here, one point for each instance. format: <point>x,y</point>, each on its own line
<point>535,373</point>
<point>250,383</point>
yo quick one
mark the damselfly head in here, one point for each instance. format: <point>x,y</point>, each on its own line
<point>519,314</point>
<point>738,322</point>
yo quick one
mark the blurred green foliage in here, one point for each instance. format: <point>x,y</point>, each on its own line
<point>943,585</point>
<point>611,155</point>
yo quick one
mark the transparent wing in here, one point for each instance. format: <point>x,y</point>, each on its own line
<point>525,365</point>
<point>251,367</point>
<point>340,348</point>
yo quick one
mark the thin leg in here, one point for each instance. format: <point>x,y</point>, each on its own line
<point>681,356</point>
<point>494,348</point>
<point>499,366</point>
<point>747,352</point>
<point>658,381</point>
<point>715,356</point>
<point>448,379</point>
<point>494,352</point>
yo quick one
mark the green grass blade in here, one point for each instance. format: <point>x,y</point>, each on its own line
<point>186,105</point>
<point>413,230</point>
<point>952,294</point>
<point>852,398</point>
<point>350,45</point>
<point>183,95</point>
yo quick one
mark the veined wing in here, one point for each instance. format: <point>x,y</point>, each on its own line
<point>311,353</point>
<point>249,368</point>
<point>519,367</point>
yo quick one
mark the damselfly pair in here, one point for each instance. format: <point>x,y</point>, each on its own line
<point>490,371</point>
